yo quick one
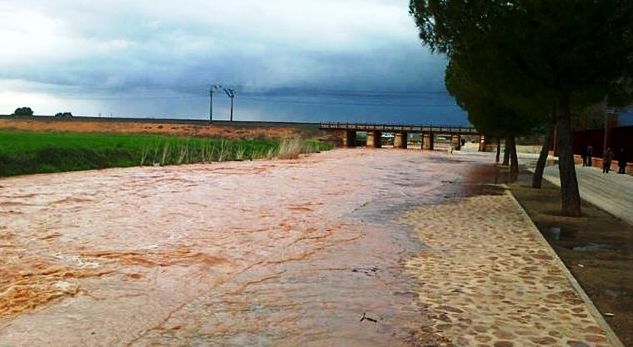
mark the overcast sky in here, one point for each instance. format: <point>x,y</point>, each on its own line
<point>288,59</point>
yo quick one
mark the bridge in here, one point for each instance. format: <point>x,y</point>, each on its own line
<point>347,133</point>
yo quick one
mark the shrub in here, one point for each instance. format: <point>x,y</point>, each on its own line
<point>289,149</point>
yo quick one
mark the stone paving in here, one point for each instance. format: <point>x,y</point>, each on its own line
<point>489,279</point>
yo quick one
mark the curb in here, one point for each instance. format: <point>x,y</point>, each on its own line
<point>593,310</point>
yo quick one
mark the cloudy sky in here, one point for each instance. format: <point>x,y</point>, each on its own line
<point>293,60</point>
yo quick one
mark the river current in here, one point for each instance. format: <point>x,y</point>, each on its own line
<point>298,252</point>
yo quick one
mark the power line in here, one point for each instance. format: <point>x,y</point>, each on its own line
<point>159,92</point>
<point>256,99</point>
<point>299,96</point>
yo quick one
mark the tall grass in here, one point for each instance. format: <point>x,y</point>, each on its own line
<point>289,149</point>
<point>37,152</point>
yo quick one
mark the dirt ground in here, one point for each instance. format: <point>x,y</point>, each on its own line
<point>223,129</point>
<point>597,248</point>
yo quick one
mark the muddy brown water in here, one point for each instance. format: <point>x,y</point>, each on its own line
<point>252,253</point>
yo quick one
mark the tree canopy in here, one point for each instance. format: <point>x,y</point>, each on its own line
<point>582,47</point>
<point>23,111</point>
<point>486,111</point>
<point>529,53</point>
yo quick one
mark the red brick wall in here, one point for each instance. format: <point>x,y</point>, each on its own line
<point>621,137</point>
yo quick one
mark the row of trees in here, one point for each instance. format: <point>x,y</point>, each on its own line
<point>522,67</point>
<point>27,111</point>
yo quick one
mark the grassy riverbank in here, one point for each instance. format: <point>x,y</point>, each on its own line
<point>44,152</point>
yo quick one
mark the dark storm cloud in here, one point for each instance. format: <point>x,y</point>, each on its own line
<point>107,50</point>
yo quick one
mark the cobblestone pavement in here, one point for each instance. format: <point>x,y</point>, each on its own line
<point>489,279</point>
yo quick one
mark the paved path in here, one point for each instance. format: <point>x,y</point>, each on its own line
<point>611,192</point>
<point>488,278</point>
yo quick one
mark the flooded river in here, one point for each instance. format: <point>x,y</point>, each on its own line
<point>285,253</point>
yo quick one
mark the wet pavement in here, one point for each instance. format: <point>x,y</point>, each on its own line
<point>611,192</point>
<point>489,278</point>
<point>269,253</point>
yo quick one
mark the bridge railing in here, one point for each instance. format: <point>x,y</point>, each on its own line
<point>397,128</point>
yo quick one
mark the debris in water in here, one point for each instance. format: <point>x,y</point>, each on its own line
<point>364,317</point>
<point>367,271</point>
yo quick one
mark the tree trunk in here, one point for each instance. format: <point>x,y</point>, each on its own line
<point>514,160</point>
<point>537,178</point>
<point>506,154</point>
<point>498,150</point>
<point>570,196</point>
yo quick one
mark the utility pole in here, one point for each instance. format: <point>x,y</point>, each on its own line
<point>231,94</point>
<point>211,90</point>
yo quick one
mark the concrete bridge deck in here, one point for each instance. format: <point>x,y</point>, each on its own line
<point>440,129</point>
<point>347,133</point>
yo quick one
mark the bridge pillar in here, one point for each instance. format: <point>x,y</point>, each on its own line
<point>482,143</point>
<point>400,140</point>
<point>374,139</point>
<point>427,141</point>
<point>456,142</point>
<point>349,140</point>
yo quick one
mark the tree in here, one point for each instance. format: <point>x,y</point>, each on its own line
<point>571,52</point>
<point>23,111</point>
<point>489,115</point>
<point>506,153</point>
<point>537,177</point>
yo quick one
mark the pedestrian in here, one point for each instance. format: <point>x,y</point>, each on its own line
<point>607,157</point>
<point>583,155</point>
<point>622,161</point>
<point>590,155</point>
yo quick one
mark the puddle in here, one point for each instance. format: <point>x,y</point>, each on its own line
<point>560,234</point>
<point>592,247</point>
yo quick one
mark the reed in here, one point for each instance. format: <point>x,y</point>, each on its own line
<point>289,149</point>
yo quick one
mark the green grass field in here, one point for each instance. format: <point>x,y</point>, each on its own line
<point>44,152</point>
